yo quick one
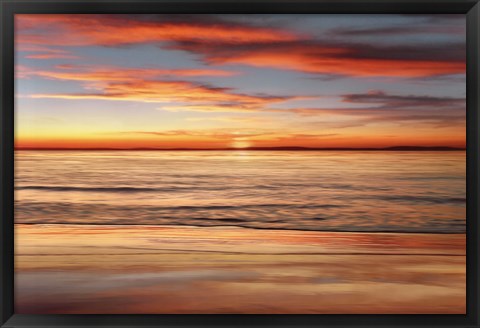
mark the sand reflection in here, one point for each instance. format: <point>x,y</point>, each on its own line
<point>108,269</point>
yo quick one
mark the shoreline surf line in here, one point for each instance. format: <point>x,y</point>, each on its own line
<point>243,227</point>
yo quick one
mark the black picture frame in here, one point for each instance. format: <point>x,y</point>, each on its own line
<point>471,8</point>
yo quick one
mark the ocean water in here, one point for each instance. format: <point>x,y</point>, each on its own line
<point>298,190</point>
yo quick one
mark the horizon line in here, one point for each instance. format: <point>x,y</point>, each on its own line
<point>284,148</point>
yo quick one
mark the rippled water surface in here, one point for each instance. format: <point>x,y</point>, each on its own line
<point>304,190</point>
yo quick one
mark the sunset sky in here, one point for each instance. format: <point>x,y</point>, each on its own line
<point>209,81</point>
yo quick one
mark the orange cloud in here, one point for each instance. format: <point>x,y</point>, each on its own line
<point>352,67</point>
<point>175,91</point>
<point>225,42</point>
<point>213,133</point>
<point>236,107</point>
<point>50,56</point>
<point>111,30</point>
<point>350,60</point>
<point>21,72</point>
<point>43,52</point>
<point>140,85</point>
<point>111,74</point>
<point>232,119</point>
<point>380,107</point>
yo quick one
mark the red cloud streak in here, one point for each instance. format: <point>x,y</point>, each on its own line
<point>221,42</point>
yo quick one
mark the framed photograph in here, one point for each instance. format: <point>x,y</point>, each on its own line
<point>270,163</point>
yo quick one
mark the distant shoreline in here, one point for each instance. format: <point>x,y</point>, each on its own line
<point>394,148</point>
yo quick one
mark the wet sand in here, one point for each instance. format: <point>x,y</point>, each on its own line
<point>172,269</point>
